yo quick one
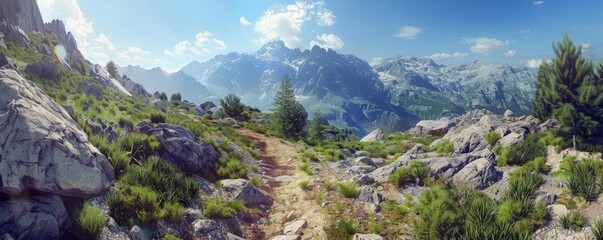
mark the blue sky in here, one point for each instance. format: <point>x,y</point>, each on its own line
<point>171,33</point>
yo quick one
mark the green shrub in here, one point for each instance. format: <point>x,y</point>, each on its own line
<point>232,105</point>
<point>492,137</point>
<point>303,185</point>
<point>349,190</point>
<point>145,203</point>
<point>139,145</point>
<point>538,165</point>
<point>328,185</point>
<point>310,156</point>
<point>91,220</point>
<point>176,97</point>
<point>172,212</point>
<point>438,215</point>
<point>527,150</point>
<point>344,230</point>
<point>118,208</point>
<point>567,164</point>
<point>214,207</point>
<point>573,220</point>
<point>406,174</point>
<point>231,167</point>
<point>550,139</point>
<point>583,181</point>
<point>597,229</point>
<point>256,181</point>
<point>523,184</point>
<point>119,160</point>
<point>444,147</point>
<point>170,237</point>
<point>305,167</point>
<point>157,118</point>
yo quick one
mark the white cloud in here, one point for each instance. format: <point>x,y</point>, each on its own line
<point>169,53</point>
<point>286,23</point>
<point>586,47</point>
<point>534,63</point>
<point>104,40</point>
<point>183,47</point>
<point>134,53</point>
<point>484,45</point>
<point>244,21</point>
<point>376,61</point>
<point>510,53</point>
<point>328,41</point>
<point>439,56</point>
<point>538,2</point>
<point>409,32</point>
<point>207,39</point>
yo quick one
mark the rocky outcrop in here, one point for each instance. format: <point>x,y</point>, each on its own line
<point>369,195</point>
<point>375,135</point>
<point>431,127</point>
<point>89,88</point>
<point>478,174</point>
<point>244,190</point>
<point>38,217</point>
<point>42,147</point>
<point>181,147</point>
<point>57,29</point>
<point>3,59</point>
<point>132,87</point>
<point>104,78</point>
<point>360,236</point>
<point>43,69</point>
<point>14,34</point>
<point>295,227</point>
<point>22,13</point>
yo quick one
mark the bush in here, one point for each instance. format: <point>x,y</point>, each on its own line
<point>438,215</point>
<point>305,167</point>
<point>328,185</point>
<point>527,150</point>
<point>119,160</point>
<point>538,165</point>
<point>157,118</point>
<point>91,220</point>
<point>597,229</point>
<point>492,137</point>
<point>163,96</point>
<point>231,167</point>
<point>523,184</point>
<point>583,181</point>
<point>145,203</point>
<point>256,181</point>
<point>574,220</point>
<point>405,174</point>
<point>344,229</point>
<point>303,185</point>
<point>444,147</point>
<point>214,207</point>
<point>349,190</point>
<point>172,212</point>
<point>551,140</point>
<point>170,237</point>
<point>139,145</point>
<point>118,208</point>
<point>232,105</point>
<point>176,97</point>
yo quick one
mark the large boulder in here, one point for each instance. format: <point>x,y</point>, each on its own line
<point>432,127</point>
<point>38,217</point>
<point>244,190</point>
<point>478,174</point>
<point>376,135</point>
<point>181,147</point>
<point>369,195</point>
<point>42,147</point>
<point>469,138</point>
<point>295,227</point>
<point>14,34</point>
<point>89,88</point>
<point>43,69</point>
<point>360,236</point>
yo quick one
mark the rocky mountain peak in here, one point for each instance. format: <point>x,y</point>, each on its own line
<point>22,13</point>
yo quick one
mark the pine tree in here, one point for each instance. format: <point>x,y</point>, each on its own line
<point>111,69</point>
<point>570,91</point>
<point>316,128</point>
<point>232,105</point>
<point>289,115</point>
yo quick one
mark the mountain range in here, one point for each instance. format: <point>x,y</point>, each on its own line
<point>349,92</point>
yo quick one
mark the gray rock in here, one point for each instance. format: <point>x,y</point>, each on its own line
<point>511,139</point>
<point>286,237</point>
<point>365,160</point>
<point>112,230</point>
<point>548,198</point>
<point>432,127</point>
<point>89,88</point>
<point>7,236</point>
<point>360,236</point>
<point>508,114</point>
<point>375,135</point>
<point>200,111</point>
<point>32,218</point>
<point>295,227</point>
<point>44,49</point>
<point>346,153</point>
<point>362,153</point>
<point>417,149</point>
<point>382,174</point>
<point>57,29</point>
<point>14,34</point>
<point>343,164</point>
<point>137,233</point>
<point>231,236</point>
<point>23,13</point>
<point>548,125</point>
<point>132,87</point>
<point>204,228</point>
<point>42,147</point>
<point>104,78</point>
<point>470,138</point>
<point>3,59</point>
<point>207,106</point>
<point>369,195</point>
<point>43,69</point>
<point>181,147</point>
<point>244,190</point>
<point>478,174</point>
<point>365,179</point>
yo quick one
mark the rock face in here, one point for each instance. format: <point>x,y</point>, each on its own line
<point>431,127</point>
<point>57,29</point>
<point>14,34</point>
<point>89,88</point>
<point>42,216</point>
<point>104,78</point>
<point>244,190</point>
<point>43,69</point>
<point>181,147</point>
<point>479,174</point>
<point>22,13</point>
<point>3,60</point>
<point>42,147</point>
<point>375,135</point>
<point>132,87</point>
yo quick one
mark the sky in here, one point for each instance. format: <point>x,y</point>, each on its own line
<point>171,33</point>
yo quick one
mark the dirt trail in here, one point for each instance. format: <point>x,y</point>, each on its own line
<point>288,198</point>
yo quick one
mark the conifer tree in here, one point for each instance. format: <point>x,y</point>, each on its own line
<point>570,90</point>
<point>232,105</point>
<point>289,115</point>
<point>111,69</point>
<point>316,128</point>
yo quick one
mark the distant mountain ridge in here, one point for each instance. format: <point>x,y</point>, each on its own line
<point>393,94</point>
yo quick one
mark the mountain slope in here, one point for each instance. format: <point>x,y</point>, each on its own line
<point>431,90</point>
